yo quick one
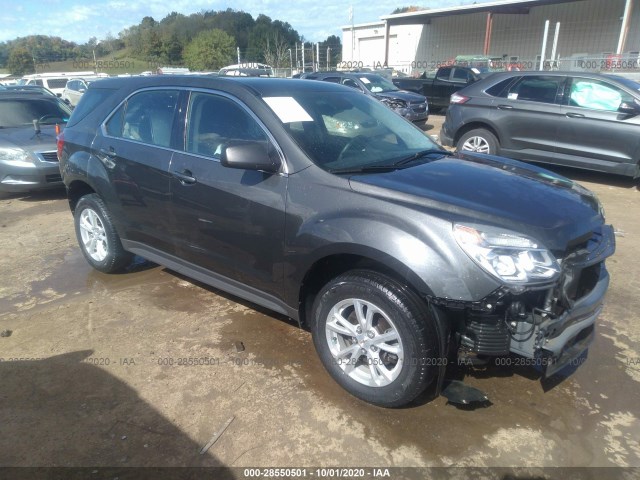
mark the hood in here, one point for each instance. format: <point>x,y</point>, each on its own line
<point>491,190</point>
<point>409,97</point>
<point>25,137</point>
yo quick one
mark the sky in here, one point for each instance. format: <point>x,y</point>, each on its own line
<point>78,21</point>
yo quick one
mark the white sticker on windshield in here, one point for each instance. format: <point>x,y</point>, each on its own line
<point>288,109</point>
<point>513,96</point>
<point>476,71</point>
<point>364,80</point>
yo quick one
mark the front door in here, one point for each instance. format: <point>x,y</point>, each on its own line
<point>231,220</point>
<point>594,133</point>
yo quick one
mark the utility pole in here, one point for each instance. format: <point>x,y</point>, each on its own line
<point>318,53</point>
<point>328,57</point>
<point>238,50</point>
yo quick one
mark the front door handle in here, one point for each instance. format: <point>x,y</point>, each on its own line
<point>505,107</point>
<point>575,115</point>
<point>185,177</point>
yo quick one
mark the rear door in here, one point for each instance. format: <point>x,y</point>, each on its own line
<point>528,115</point>
<point>231,220</point>
<point>593,132</point>
<point>135,146</point>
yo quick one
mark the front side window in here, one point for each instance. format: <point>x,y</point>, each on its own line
<point>543,89</point>
<point>216,121</point>
<point>146,117</point>
<point>597,95</point>
<point>347,130</point>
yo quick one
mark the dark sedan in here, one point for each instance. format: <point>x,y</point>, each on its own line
<point>412,106</point>
<point>576,119</point>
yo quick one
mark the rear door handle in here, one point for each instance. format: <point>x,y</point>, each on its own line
<point>107,157</point>
<point>505,107</point>
<point>574,115</point>
<point>110,152</point>
<point>185,177</point>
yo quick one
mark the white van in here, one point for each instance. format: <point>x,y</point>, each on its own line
<point>53,81</point>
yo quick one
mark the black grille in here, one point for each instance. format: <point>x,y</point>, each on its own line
<point>49,156</point>
<point>56,177</point>
<point>487,335</point>
<point>419,108</point>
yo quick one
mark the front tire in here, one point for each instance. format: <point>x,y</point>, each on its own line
<point>376,338</point>
<point>479,140</point>
<point>97,237</point>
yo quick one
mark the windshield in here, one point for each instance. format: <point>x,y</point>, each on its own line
<point>348,130</point>
<point>378,84</point>
<point>18,112</point>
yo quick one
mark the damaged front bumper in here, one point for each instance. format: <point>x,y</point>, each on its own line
<point>552,324</point>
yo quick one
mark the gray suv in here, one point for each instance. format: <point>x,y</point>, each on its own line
<point>321,204</point>
<point>576,119</point>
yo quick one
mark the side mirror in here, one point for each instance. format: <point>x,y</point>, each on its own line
<point>629,108</point>
<point>250,156</point>
<point>82,90</point>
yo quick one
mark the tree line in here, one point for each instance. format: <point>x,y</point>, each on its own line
<point>207,40</point>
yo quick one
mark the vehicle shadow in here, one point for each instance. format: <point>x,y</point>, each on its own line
<point>66,411</point>
<point>37,196</point>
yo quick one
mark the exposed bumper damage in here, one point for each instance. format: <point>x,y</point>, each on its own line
<point>551,324</point>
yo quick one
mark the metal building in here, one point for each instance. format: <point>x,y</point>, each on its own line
<point>598,31</point>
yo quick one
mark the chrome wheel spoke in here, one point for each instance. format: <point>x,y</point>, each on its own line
<point>368,357</point>
<point>341,325</point>
<point>93,234</point>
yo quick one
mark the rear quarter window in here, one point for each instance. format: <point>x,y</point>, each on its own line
<point>500,88</point>
<point>89,101</point>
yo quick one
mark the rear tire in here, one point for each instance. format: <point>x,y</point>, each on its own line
<point>376,338</point>
<point>479,140</point>
<point>97,237</point>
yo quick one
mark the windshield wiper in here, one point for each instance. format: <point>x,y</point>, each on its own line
<point>421,154</point>
<point>393,166</point>
<point>366,169</point>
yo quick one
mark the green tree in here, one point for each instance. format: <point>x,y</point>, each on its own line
<point>210,50</point>
<point>20,61</point>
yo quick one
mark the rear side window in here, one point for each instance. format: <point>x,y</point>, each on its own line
<point>146,117</point>
<point>89,101</point>
<point>543,89</point>
<point>57,82</point>
<point>215,121</point>
<point>461,75</point>
<point>443,73</point>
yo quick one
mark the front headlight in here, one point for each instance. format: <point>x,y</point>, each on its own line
<point>15,157</point>
<point>507,256</point>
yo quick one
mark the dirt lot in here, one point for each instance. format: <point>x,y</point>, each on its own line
<point>141,368</point>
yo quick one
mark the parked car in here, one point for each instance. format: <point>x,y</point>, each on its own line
<point>410,105</point>
<point>27,88</point>
<point>584,120</point>
<point>439,89</point>
<point>75,88</point>
<point>318,202</point>
<point>28,158</point>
